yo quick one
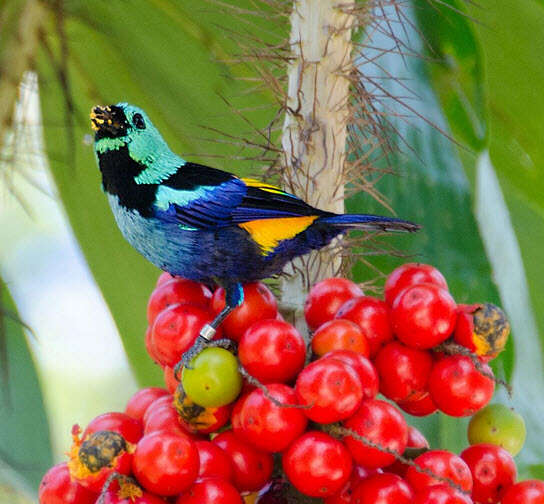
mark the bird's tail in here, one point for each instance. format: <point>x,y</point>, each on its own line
<point>369,222</point>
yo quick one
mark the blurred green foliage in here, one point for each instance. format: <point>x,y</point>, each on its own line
<point>500,63</point>
<point>25,448</point>
<point>512,40</point>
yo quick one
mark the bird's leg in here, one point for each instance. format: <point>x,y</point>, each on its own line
<point>234,297</point>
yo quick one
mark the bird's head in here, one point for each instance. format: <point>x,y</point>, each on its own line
<point>124,125</point>
<point>122,121</point>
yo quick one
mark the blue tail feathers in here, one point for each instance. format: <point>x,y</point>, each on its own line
<point>369,222</point>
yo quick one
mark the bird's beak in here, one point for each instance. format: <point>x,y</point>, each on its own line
<point>105,119</point>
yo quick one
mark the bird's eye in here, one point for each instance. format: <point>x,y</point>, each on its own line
<point>138,121</point>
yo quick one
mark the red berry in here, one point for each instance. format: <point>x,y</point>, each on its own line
<point>423,315</point>
<point>403,371</point>
<point>163,278</point>
<point>166,418</point>
<point>272,351</point>
<point>141,400</point>
<point>170,379</point>
<point>441,494</point>
<point>165,463</point>
<point>211,491</point>
<point>364,368</point>
<point>235,419</point>
<point>326,297</point>
<point>339,334</point>
<point>358,474</point>
<point>343,496</point>
<point>175,330</point>
<point>382,424</point>
<point>464,326</point>
<point>200,419</point>
<point>149,347</point>
<point>211,419</point>
<point>525,492</point>
<point>441,463</point>
<point>364,472</point>
<point>57,487</point>
<point>411,274</point>
<point>422,406</point>
<point>128,427</point>
<point>416,439</point>
<point>267,426</point>
<point>214,462</point>
<point>259,304</point>
<point>458,388</point>
<point>112,497</point>
<point>493,471</point>
<point>317,464</point>
<point>372,316</point>
<point>156,404</point>
<point>177,291</point>
<point>252,467</point>
<point>331,389</point>
<point>382,489</point>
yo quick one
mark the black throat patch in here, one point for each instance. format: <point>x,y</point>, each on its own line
<point>118,172</point>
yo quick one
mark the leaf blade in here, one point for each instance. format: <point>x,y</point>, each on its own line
<point>25,446</point>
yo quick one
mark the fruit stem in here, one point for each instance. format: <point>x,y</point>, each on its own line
<point>340,431</point>
<point>115,476</point>
<point>254,381</point>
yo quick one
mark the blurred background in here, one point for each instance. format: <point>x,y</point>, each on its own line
<point>460,153</point>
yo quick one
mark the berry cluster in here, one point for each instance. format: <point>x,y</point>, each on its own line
<point>280,419</point>
<point>429,352</point>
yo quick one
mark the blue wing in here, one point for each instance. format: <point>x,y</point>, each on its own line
<point>201,197</point>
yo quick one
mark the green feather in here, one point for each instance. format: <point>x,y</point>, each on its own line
<point>106,144</point>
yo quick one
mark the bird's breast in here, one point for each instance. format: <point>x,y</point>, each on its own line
<point>162,243</point>
<point>201,255</point>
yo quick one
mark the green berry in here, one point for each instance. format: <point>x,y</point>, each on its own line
<point>214,380</point>
<point>499,425</point>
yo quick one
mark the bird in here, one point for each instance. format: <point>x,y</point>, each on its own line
<point>202,223</point>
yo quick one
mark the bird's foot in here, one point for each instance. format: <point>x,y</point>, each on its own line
<point>200,344</point>
<point>203,341</point>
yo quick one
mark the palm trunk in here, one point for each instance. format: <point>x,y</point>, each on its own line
<point>315,128</point>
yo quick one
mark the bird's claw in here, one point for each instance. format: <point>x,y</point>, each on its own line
<point>206,335</point>
<point>200,344</point>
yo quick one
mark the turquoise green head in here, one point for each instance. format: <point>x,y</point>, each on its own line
<point>124,125</point>
<point>118,125</point>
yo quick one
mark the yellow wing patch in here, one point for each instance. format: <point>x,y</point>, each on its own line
<point>261,185</point>
<point>269,232</point>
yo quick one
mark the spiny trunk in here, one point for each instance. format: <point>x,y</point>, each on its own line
<point>315,127</point>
